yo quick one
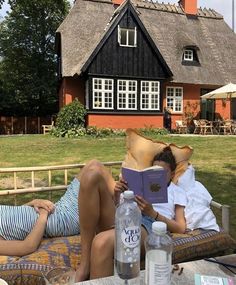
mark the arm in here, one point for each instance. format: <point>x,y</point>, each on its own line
<point>178,225</point>
<point>120,187</point>
<point>41,203</point>
<point>30,243</point>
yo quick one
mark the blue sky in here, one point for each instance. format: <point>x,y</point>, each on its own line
<point>224,7</point>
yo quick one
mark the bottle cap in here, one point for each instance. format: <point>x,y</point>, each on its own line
<point>128,194</point>
<point>159,227</point>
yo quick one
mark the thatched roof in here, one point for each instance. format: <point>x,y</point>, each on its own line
<point>171,31</point>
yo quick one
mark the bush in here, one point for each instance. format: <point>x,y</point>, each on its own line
<point>151,131</point>
<point>70,121</point>
<point>71,116</point>
<point>104,132</point>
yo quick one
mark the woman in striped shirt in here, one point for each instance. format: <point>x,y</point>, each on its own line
<point>21,224</point>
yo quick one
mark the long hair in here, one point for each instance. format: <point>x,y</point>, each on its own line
<point>167,156</point>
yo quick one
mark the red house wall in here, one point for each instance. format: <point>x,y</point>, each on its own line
<point>75,88</point>
<point>70,89</point>
<point>222,107</point>
<point>191,104</point>
<point>124,121</point>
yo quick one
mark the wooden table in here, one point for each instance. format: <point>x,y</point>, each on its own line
<point>187,276</point>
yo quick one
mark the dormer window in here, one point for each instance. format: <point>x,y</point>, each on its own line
<point>127,37</point>
<point>188,54</point>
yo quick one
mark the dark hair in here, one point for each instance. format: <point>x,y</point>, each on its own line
<point>167,156</point>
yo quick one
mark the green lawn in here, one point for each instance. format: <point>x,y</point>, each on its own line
<point>214,158</point>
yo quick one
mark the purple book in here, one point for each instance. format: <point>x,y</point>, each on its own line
<point>150,183</point>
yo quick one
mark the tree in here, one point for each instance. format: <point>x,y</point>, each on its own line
<point>28,68</point>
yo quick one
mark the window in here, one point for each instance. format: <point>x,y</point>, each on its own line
<point>174,98</point>
<point>127,37</point>
<point>188,54</point>
<point>127,95</point>
<point>102,93</point>
<point>150,95</point>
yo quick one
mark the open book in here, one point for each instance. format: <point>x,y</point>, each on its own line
<point>150,183</point>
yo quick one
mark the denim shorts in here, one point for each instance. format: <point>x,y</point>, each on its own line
<point>146,222</point>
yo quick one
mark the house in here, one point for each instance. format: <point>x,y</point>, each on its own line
<point>126,61</point>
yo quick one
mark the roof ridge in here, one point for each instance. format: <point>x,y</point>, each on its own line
<point>173,8</point>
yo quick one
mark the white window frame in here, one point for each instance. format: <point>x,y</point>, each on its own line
<point>174,99</point>
<point>127,94</point>
<point>103,92</point>
<point>150,95</point>
<point>128,31</point>
<point>188,54</point>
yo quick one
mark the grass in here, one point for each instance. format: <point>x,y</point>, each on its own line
<point>214,158</point>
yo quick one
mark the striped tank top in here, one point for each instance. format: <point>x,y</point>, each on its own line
<point>16,222</point>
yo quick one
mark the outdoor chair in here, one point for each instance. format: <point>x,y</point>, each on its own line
<point>47,128</point>
<point>206,127</point>
<point>197,127</point>
<point>181,127</point>
<point>66,251</point>
<point>226,127</point>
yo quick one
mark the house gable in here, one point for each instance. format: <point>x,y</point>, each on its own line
<point>142,61</point>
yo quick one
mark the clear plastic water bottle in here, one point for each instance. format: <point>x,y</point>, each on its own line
<point>127,240</point>
<point>158,257</point>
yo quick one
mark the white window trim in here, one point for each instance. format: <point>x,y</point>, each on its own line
<point>149,93</point>
<point>103,91</point>
<point>127,92</point>
<point>187,58</point>
<point>174,99</point>
<point>127,37</point>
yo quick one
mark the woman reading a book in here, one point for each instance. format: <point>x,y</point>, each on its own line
<point>99,194</point>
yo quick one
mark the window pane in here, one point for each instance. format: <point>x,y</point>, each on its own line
<point>150,95</point>
<point>123,36</point>
<point>102,93</point>
<point>131,37</point>
<point>127,94</point>
<point>174,98</point>
<point>127,37</point>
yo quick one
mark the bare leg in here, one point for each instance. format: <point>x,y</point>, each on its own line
<point>102,253</point>
<point>97,210</point>
<point>101,264</point>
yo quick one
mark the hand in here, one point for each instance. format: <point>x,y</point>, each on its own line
<point>41,203</point>
<point>43,212</point>
<point>145,207</point>
<point>120,187</point>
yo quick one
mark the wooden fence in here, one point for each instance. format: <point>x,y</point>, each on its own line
<point>23,125</point>
<point>54,178</point>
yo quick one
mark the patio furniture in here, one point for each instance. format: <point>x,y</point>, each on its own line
<point>197,127</point>
<point>66,251</point>
<point>185,274</point>
<point>181,127</point>
<point>226,127</point>
<point>47,128</point>
<point>206,127</point>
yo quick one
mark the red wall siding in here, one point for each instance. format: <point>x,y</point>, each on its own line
<point>70,89</point>
<point>125,121</point>
<point>223,108</point>
<point>75,88</point>
<point>191,96</point>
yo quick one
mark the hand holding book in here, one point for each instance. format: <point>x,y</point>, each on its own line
<point>150,183</point>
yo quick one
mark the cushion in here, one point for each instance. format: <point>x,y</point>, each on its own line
<point>200,243</point>
<point>141,151</point>
<point>65,251</point>
<point>29,269</point>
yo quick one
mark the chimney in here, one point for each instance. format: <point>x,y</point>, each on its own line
<point>189,6</point>
<point>117,2</point>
